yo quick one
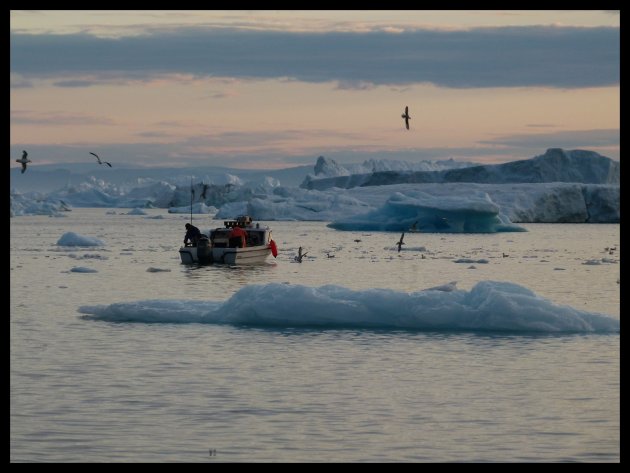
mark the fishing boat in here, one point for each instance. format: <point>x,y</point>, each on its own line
<point>222,246</point>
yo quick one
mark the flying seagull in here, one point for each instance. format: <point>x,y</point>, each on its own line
<point>406,117</point>
<point>99,159</point>
<point>400,242</point>
<point>23,161</point>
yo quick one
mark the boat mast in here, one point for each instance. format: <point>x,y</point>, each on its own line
<point>192,195</point>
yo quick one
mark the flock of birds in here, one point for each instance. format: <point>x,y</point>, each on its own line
<point>24,160</point>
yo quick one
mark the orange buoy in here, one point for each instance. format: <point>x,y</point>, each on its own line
<point>274,248</point>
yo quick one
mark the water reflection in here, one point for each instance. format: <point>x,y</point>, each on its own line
<point>226,274</point>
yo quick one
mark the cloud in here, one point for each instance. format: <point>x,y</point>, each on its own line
<point>25,117</point>
<point>268,143</point>
<point>546,56</point>
<point>75,83</point>
<point>223,94</point>
<point>19,83</point>
<point>354,85</point>
<point>154,134</point>
<point>561,139</point>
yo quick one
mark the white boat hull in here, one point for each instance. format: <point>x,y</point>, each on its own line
<point>188,254</point>
<point>231,256</point>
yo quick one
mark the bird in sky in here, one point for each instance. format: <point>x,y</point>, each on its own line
<point>400,242</point>
<point>99,159</point>
<point>23,161</point>
<point>406,117</point>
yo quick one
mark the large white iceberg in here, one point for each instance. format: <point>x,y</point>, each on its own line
<point>488,306</point>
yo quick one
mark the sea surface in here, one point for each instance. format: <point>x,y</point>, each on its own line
<point>89,390</point>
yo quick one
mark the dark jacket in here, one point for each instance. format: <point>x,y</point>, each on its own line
<point>192,234</point>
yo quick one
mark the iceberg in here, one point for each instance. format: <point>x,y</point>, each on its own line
<point>556,165</point>
<point>559,186</point>
<point>198,208</point>
<point>35,204</point>
<point>74,239</point>
<point>474,213</point>
<point>489,306</point>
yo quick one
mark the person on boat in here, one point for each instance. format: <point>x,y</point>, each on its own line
<point>237,237</point>
<point>192,235</point>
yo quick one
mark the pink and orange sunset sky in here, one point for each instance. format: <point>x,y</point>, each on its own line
<point>274,89</point>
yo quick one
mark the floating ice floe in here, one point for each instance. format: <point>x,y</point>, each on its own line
<point>488,306</point>
<point>82,269</point>
<point>74,239</point>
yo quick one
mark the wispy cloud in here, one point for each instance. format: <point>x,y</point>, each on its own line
<point>561,139</point>
<point>354,85</point>
<point>224,94</point>
<point>565,57</point>
<point>154,134</point>
<point>25,117</point>
<point>17,82</point>
<point>75,83</point>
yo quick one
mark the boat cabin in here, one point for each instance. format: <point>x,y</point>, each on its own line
<point>256,235</point>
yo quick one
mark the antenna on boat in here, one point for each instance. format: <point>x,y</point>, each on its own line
<point>192,196</point>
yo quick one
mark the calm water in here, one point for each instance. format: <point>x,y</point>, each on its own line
<point>92,391</point>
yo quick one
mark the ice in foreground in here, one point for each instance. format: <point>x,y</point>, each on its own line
<point>488,306</point>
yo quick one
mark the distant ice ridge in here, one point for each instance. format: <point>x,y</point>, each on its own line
<point>266,199</point>
<point>488,306</point>
<point>473,213</point>
<point>556,165</point>
<point>327,167</point>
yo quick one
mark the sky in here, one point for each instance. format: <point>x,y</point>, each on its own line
<point>275,89</point>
